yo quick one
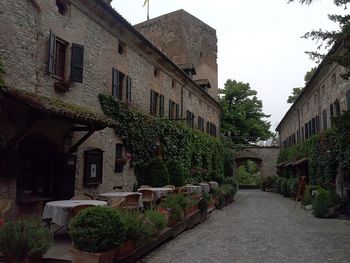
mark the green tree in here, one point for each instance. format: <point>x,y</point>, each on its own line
<point>328,39</point>
<point>297,91</point>
<point>243,118</point>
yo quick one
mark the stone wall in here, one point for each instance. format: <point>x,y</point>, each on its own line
<point>186,39</point>
<point>24,36</point>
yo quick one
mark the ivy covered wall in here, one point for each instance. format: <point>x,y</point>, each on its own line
<point>201,155</point>
<point>328,153</point>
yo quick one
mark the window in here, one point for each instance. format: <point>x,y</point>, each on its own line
<point>121,48</point>
<point>156,73</point>
<point>120,160</point>
<point>117,84</point>
<point>57,59</point>
<point>331,112</point>
<point>190,119</point>
<point>61,7</point>
<point>177,111</point>
<point>313,126</point>
<point>324,119</point>
<point>212,129</point>
<point>208,127</point>
<point>306,131</point>
<point>334,80</point>
<point>201,124</point>
<point>337,107</point>
<point>153,102</point>
<point>302,134</point>
<point>161,105</point>
<point>172,107</point>
<point>348,100</point>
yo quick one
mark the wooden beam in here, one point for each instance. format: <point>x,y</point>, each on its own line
<point>75,147</point>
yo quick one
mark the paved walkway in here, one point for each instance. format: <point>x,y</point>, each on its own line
<point>260,228</point>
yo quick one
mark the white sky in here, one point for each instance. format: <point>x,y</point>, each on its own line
<point>259,41</point>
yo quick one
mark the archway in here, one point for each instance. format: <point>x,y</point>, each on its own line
<point>248,172</point>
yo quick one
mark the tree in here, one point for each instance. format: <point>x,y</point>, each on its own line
<point>243,118</point>
<point>334,38</point>
<point>297,91</point>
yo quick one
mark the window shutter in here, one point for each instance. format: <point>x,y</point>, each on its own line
<point>177,111</point>
<point>115,83</point>
<point>161,105</point>
<point>171,109</point>
<point>128,89</point>
<point>77,63</point>
<point>151,107</point>
<point>52,53</point>
<point>324,113</point>
<point>348,100</point>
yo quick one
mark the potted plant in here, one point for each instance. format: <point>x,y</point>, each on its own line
<point>158,219</point>
<point>25,240</point>
<point>96,232</point>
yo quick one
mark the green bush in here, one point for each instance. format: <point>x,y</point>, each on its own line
<point>292,186</point>
<point>308,198</point>
<point>24,238</point>
<point>157,218</point>
<point>176,173</point>
<point>323,202</point>
<point>231,181</point>
<point>177,204</point>
<point>268,182</point>
<point>284,186</point>
<point>156,174</point>
<point>97,229</point>
<point>228,190</point>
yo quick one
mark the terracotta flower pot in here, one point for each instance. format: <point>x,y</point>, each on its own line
<point>126,248</point>
<point>86,257</point>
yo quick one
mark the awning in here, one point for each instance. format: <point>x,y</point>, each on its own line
<point>282,164</point>
<point>188,66</point>
<point>301,161</point>
<point>201,82</point>
<point>56,108</point>
<point>290,163</point>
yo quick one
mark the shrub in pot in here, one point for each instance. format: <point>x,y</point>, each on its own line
<point>176,205</point>
<point>155,174</point>
<point>96,232</point>
<point>157,218</point>
<point>25,240</point>
<point>325,204</point>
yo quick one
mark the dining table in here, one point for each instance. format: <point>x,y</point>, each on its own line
<point>193,188</point>
<point>159,191</point>
<point>59,211</point>
<point>205,187</point>
<point>111,195</point>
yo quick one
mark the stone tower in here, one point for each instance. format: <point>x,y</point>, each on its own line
<point>188,42</point>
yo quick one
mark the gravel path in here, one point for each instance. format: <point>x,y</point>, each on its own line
<point>260,227</point>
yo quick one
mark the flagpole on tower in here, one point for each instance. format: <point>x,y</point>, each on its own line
<point>147,2</point>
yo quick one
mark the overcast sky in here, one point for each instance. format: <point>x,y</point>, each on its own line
<point>259,41</point>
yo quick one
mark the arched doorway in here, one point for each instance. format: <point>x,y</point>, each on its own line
<point>39,168</point>
<point>248,172</point>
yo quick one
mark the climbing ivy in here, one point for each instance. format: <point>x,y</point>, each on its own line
<point>327,152</point>
<point>201,155</point>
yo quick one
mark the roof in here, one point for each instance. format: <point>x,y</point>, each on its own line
<point>124,22</point>
<point>57,108</point>
<point>188,66</point>
<point>203,82</point>
<point>301,161</point>
<point>308,84</point>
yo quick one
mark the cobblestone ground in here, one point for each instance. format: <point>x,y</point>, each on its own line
<point>260,227</point>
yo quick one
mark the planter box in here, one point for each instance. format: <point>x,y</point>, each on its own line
<point>86,257</point>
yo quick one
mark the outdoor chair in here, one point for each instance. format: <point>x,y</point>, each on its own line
<point>169,186</point>
<point>131,202</point>
<point>81,197</point>
<point>149,197</point>
<point>76,210</point>
<point>144,186</point>
<point>180,190</point>
<point>5,205</point>
<point>116,202</point>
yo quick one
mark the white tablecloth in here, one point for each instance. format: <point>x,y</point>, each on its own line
<point>213,184</point>
<point>121,194</point>
<point>205,187</point>
<point>59,211</point>
<point>159,191</point>
<point>193,188</point>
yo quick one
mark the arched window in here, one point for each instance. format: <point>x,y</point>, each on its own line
<point>61,7</point>
<point>337,107</point>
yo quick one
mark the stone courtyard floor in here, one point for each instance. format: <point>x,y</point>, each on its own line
<point>260,227</point>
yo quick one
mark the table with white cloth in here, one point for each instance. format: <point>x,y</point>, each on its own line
<point>213,185</point>
<point>205,187</point>
<point>59,211</point>
<point>193,188</point>
<point>159,191</point>
<point>111,195</point>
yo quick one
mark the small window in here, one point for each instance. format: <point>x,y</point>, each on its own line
<point>120,159</point>
<point>172,108</point>
<point>173,84</point>
<point>61,7</point>
<point>154,98</point>
<point>324,119</point>
<point>117,84</point>
<point>156,73</point>
<point>337,107</point>
<point>57,56</point>
<point>121,48</point>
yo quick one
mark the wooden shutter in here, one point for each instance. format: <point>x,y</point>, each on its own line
<point>171,109</point>
<point>115,83</point>
<point>208,127</point>
<point>324,115</point>
<point>128,89</point>
<point>161,105</point>
<point>348,100</point>
<point>52,53</point>
<point>77,63</point>
<point>177,111</point>
<point>152,102</point>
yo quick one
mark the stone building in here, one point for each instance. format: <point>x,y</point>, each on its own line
<point>189,42</point>
<point>59,55</point>
<point>326,95</point>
